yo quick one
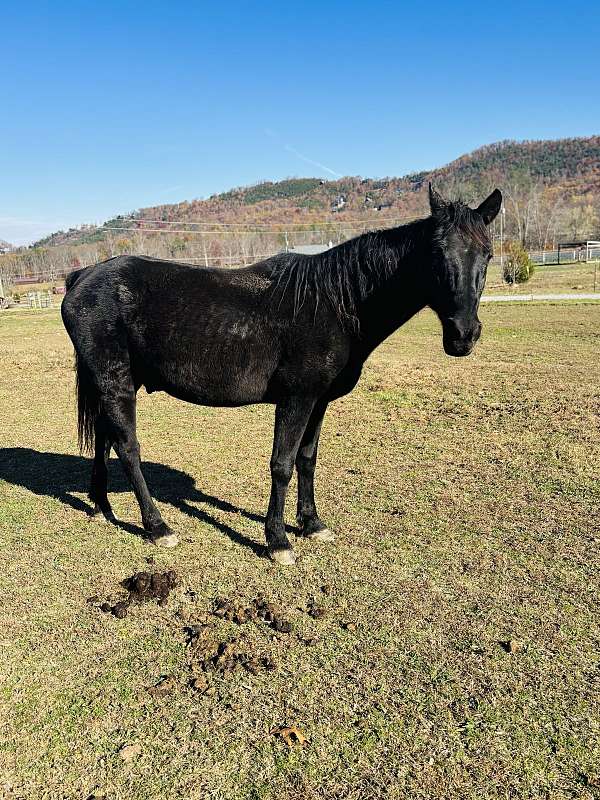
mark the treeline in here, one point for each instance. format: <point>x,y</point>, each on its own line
<point>52,263</point>
<point>535,216</point>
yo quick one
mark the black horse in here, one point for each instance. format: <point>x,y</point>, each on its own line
<point>292,330</point>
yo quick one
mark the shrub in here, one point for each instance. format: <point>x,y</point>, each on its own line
<point>518,267</point>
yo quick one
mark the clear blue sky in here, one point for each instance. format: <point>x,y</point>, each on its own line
<point>111,106</point>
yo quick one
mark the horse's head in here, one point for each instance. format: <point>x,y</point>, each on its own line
<point>461,252</point>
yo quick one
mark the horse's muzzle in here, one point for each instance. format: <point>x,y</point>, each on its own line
<point>458,340</point>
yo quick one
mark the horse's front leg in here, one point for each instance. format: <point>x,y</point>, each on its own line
<point>291,418</point>
<point>307,516</point>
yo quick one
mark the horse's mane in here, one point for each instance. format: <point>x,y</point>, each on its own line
<point>345,275</point>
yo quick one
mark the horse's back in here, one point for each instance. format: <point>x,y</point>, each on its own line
<point>203,335</point>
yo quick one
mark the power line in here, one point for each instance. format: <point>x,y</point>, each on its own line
<point>246,227</point>
<point>260,224</point>
<point>343,228</point>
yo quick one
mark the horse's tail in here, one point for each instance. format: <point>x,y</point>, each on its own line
<point>88,396</point>
<point>88,406</point>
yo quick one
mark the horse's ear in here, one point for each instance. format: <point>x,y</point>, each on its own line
<point>436,202</point>
<point>491,206</point>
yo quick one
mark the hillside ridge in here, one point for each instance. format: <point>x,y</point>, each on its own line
<point>569,167</point>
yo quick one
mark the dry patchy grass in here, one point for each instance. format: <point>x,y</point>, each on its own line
<point>465,496</point>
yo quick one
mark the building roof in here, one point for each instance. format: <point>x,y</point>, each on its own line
<point>309,249</point>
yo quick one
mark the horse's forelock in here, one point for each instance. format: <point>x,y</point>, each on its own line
<point>459,216</point>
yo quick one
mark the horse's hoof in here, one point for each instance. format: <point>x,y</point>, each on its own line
<point>286,558</point>
<point>105,519</point>
<point>324,535</point>
<point>170,540</point>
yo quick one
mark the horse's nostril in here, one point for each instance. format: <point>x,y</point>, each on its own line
<point>456,328</point>
<point>461,329</point>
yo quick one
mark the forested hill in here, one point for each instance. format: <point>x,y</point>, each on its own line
<point>563,174</point>
<point>542,160</point>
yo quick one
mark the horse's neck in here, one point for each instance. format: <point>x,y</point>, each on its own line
<point>397,298</point>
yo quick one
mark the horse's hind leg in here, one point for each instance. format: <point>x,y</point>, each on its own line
<point>98,493</point>
<point>119,409</point>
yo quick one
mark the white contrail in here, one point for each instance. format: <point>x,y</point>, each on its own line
<point>311,161</point>
<point>274,135</point>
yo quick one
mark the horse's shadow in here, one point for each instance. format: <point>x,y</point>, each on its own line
<point>64,476</point>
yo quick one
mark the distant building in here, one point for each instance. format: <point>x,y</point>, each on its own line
<point>310,249</point>
<point>29,280</point>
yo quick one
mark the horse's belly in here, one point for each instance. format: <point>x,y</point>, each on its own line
<point>217,379</point>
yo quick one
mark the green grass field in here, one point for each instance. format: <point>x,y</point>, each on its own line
<point>551,278</point>
<point>465,497</point>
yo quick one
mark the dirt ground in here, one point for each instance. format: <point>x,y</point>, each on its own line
<point>445,646</point>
